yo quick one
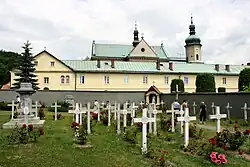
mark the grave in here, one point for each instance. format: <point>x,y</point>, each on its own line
<point>218,116</point>
<point>25,112</point>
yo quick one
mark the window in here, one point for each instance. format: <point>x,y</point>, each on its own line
<point>185,80</point>
<point>82,79</point>
<point>67,79</point>
<point>46,80</point>
<point>52,64</point>
<point>106,79</point>
<point>62,79</point>
<point>197,57</point>
<point>166,79</point>
<point>145,79</point>
<point>224,80</point>
<point>126,79</point>
<point>36,63</point>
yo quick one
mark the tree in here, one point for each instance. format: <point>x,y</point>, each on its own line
<point>178,82</point>
<point>205,83</point>
<point>26,69</point>
<point>244,80</point>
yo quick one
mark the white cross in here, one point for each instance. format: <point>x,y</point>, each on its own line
<point>155,112</point>
<point>115,110</point>
<point>144,120</point>
<point>150,111</point>
<point>118,119</point>
<point>245,108</point>
<point>218,116</point>
<point>77,113</point>
<point>125,112</point>
<point>172,111</point>
<point>176,91</point>
<point>181,113</point>
<point>186,119</point>
<point>228,107</point>
<point>141,103</point>
<point>55,106</point>
<point>36,107</point>
<point>109,114</point>
<point>26,112</point>
<point>133,108</point>
<point>213,106</point>
<point>98,111</point>
<point>13,105</point>
<point>194,108</point>
<point>88,118</point>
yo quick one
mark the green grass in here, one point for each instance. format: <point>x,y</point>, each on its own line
<point>55,149</point>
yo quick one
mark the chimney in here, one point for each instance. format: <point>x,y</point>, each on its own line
<point>171,66</point>
<point>248,64</point>
<point>158,65</point>
<point>112,63</point>
<point>98,64</point>
<point>217,67</point>
<point>227,68</point>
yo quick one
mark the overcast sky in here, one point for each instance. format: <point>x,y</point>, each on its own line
<point>67,27</point>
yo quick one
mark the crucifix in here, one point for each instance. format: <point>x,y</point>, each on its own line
<point>186,119</point>
<point>228,107</point>
<point>56,106</point>
<point>218,116</point>
<point>115,110</point>
<point>194,108</point>
<point>109,114</point>
<point>13,105</point>
<point>245,108</point>
<point>144,120</point>
<point>77,113</point>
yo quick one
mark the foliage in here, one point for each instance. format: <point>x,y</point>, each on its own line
<point>64,107</point>
<point>59,116</point>
<point>26,69</point>
<point>205,83</point>
<point>218,158</point>
<point>8,61</point>
<point>104,117</point>
<point>244,79</point>
<point>165,122</point>
<point>4,106</point>
<point>80,133</point>
<point>130,134</point>
<point>194,132</point>
<point>25,134</point>
<point>178,82</point>
<point>221,89</point>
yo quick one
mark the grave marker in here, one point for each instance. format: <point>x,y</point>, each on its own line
<point>228,107</point>
<point>125,112</point>
<point>155,112</point>
<point>245,108</point>
<point>213,107</point>
<point>144,120</point>
<point>218,116</point>
<point>186,119</point>
<point>181,113</point>
<point>172,111</point>
<point>194,108</point>
<point>55,106</point>
<point>109,114</point>
<point>13,105</point>
<point>36,108</point>
<point>118,119</point>
<point>88,118</point>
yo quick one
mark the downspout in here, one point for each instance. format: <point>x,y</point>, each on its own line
<point>75,79</point>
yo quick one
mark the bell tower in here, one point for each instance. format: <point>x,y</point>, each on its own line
<point>136,36</point>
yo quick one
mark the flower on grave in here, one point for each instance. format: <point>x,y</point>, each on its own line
<point>40,131</point>
<point>24,126</point>
<point>212,141</point>
<point>30,127</point>
<point>218,158</point>
<point>241,152</point>
<point>74,125</point>
<point>246,132</point>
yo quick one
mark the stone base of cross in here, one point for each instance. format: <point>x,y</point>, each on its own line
<point>144,120</point>
<point>186,119</point>
<point>218,116</point>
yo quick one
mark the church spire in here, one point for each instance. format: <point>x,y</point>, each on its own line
<point>192,27</point>
<point>136,36</point>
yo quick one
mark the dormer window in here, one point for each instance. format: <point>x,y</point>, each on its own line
<point>52,64</point>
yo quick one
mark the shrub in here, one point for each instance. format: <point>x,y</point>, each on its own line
<point>205,83</point>
<point>4,106</point>
<point>194,132</point>
<point>64,107</point>
<point>130,134</point>
<point>80,133</point>
<point>244,79</point>
<point>59,116</point>
<point>25,134</point>
<point>178,82</point>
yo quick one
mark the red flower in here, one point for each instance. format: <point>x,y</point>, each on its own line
<point>225,148</point>
<point>31,127</point>
<point>24,126</point>
<point>241,152</point>
<point>162,158</point>
<point>223,161</point>
<point>218,162</point>
<point>212,141</point>
<point>221,156</point>
<point>214,160</point>
<point>213,156</point>
<point>74,124</point>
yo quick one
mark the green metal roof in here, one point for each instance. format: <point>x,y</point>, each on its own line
<point>120,51</point>
<point>150,67</point>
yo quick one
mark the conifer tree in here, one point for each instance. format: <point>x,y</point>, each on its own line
<point>25,72</point>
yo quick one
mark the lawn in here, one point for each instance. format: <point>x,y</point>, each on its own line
<point>55,148</point>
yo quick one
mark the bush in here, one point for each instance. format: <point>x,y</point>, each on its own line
<point>178,82</point>
<point>221,89</point>
<point>205,83</point>
<point>4,106</point>
<point>80,133</point>
<point>244,79</point>
<point>130,134</point>
<point>64,107</point>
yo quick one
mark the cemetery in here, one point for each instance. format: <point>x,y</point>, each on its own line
<point>121,134</point>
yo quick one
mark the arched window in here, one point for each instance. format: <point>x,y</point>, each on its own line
<point>197,57</point>
<point>67,79</point>
<point>62,79</point>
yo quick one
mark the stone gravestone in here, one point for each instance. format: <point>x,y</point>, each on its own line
<point>186,119</point>
<point>24,113</point>
<point>218,116</point>
<point>144,120</point>
<point>228,107</point>
<point>56,106</point>
<point>245,109</point>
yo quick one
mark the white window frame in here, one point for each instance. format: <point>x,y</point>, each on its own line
<point>126,79</point>
<point>185,80</point>
<point>166,79</point>
<point>224,80</point>
<point>67,78</point>
<point>46,80</point>
<point>52,64</point>
<point>106,80</point>
<point>145,79</point>
<point>82,79</point>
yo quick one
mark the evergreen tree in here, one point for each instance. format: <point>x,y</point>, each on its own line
<point>26,69</point>
<point>178,82</point>
<point>244,80</point>
<point>205,82</point>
